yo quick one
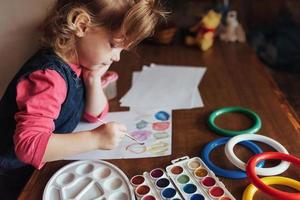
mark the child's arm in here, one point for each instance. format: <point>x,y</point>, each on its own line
<point>104,137</point>
<point>96,100</point>
<point>39,98</point>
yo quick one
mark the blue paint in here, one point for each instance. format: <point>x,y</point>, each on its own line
<point>141,124</point>
<point>189,188</point>
<point>168,193</point>
<point>197,197</point>
<point>162,115</point>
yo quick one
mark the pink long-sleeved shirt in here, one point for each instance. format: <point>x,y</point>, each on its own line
<point>39,99</point>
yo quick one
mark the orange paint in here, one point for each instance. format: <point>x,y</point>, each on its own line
<point>142,190</point>
<point>201,172</point>
<point>177,170</point>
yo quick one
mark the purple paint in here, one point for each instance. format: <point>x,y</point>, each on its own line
<point>156,173</point>
<point>141,135</point>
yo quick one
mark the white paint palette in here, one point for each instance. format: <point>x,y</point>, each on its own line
<point>186,178</point>
<point>196,181</point>
<point>90,179</point>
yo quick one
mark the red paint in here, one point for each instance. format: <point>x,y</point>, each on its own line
<point>160,126</point>
<point>208,181</point>
<point>137,180</point>
<point>216,192</point>
<point>177,170</point>
<point>142,190</point>
<point>148,197</point>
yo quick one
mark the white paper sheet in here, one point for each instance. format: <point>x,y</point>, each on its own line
<point>196,101</point>
<point>157,143</point>
<point>165,87</point>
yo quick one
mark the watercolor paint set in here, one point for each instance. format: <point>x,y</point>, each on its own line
<point>154,185</point>
<point>90,179</point>
<point>186,178</point>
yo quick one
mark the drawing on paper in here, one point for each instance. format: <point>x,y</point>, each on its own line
<point>152,128</point>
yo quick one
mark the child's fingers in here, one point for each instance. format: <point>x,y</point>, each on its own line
<point>122,128</point>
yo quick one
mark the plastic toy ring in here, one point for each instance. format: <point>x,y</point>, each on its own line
<point>270,171</point>
<point>273,180</point>
<point>260,184</point>
<point>234,174</point>
<point>256,119</point>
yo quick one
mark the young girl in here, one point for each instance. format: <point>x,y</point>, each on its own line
<point>61,83</point>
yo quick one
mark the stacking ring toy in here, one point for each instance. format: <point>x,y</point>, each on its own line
<point>234,174</point>
<point>211,121</point>
<point>273,180</point>
<point>270,171</point>
<point>260,184</point>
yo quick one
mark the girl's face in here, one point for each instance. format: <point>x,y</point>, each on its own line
<point>97,48</point>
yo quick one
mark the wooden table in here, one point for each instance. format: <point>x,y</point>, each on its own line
<point>235,77</point>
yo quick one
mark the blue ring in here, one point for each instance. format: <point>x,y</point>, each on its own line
<point>234,174</point>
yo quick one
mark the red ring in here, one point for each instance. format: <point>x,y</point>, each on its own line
<point>250,169</point>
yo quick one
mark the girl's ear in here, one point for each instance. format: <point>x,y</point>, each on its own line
<point>80,21</point>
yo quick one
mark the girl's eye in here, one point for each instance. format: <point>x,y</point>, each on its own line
<point>112,45</point>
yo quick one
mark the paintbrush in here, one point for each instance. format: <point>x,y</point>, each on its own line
<point>129,136</point>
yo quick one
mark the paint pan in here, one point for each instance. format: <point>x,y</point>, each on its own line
<point>156,173</point>
<point>159,184</point>
<point>137,180</point>
<point>195,180</point>
<point>149,197</point>
<point>197,197</point>
<point>177,170</point>
<point>193,164</point>
<point>216,192</point>
<point>208,182</point>
<point>142,190</point>
<point>90,179</point>
<point>200,173</point>
<point>168,193</point>
<point>162,183</point>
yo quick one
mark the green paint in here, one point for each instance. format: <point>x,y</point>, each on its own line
<point>183,179</point>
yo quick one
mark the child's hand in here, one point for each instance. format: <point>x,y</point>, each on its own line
<point>93,76</point>
<point>109,135</point>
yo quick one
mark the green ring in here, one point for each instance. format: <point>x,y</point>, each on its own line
<point>256,119</point>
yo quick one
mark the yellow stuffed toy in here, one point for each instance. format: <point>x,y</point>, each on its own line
<point>205,31</point>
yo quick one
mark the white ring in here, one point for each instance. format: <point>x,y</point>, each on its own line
<point>269,171</point>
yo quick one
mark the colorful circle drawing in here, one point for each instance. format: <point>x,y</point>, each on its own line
<point>141,135</point>
<point>158,148</point>
<point>136,148</point>
<point>162,116</point>
<point>141,124</point>
<point>161,135</point>
<point>160,126</point>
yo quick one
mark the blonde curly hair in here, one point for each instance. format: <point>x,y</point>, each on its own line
<point>134,19</point>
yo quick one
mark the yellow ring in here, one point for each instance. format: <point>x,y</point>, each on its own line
<point>273,180</point>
